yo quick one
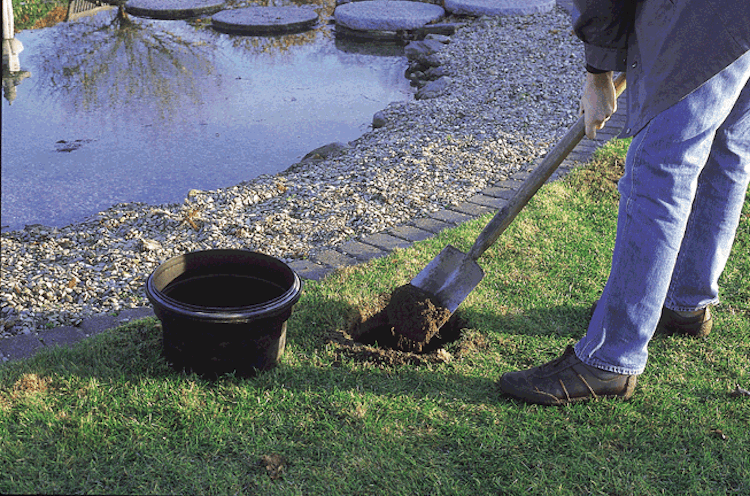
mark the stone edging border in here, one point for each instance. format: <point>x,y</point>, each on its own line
<point>488,200</point>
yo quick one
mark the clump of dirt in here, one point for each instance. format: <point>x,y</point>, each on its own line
<point>405,320</point>
<point>369,338</point>
<point>274,465</point>
<point>415,316</point>
<point>418,331</point>
<point>371,334</point>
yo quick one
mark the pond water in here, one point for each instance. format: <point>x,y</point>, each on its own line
<point>143,112</point>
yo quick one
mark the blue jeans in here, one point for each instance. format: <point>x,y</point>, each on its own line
<point>686,177</point>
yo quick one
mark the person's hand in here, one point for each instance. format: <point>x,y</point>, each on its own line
<point>598,102</point>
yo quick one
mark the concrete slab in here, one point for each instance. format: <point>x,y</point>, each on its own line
<point>488,201</point>
<point>450,217</point>
<point>65,336</point>
<point>586,149</point>
<point>431,225</point>
<point>608,133</point>
<point>264,20</point>
<point>411,233</point>
<point>498,192</point>
<point>361,251</point>
<point>471,209</point>
<point>310,270</point>
<point>386,15</point>
<point>98,324</point>
<point>508,184</point>
<point>129,314</point>
<point>173,9</point>
<point>385,241</point>
<point>333,258</point>
<point>579,156</point>
<point>498,7</point>
<point>21,346</point>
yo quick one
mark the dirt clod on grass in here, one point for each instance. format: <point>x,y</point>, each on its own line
<point>369,337</point>
<point>415,315</point>
<point>274,465</point>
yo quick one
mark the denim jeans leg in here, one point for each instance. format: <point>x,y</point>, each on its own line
<point>710,231</point>
<point>657,191</point>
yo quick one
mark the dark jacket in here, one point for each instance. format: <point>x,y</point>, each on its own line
<point>668,47</point>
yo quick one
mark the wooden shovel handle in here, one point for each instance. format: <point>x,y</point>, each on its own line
<point>531,185</point>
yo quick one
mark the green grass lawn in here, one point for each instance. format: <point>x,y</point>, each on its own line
<point>336,418</point>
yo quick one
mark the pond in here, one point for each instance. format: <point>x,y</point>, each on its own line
<point>145,111</point>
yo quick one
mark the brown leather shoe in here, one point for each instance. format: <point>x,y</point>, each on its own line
<point>671,323</point>
<point>566,380</point>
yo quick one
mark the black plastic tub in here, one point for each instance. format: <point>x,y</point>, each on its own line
<point>223,311</point>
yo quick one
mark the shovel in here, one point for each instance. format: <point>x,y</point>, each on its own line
<point>452,275</point>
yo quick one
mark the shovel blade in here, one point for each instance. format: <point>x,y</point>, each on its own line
<point>450,277</point>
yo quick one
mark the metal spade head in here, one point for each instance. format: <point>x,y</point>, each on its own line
<point>449,277</point>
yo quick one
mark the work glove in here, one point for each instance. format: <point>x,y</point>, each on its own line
<point>598,102</point>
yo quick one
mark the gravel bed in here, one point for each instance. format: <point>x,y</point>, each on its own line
<point>514,89</point>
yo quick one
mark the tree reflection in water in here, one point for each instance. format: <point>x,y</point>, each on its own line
<point>114,61</point>
<point>154,108</point>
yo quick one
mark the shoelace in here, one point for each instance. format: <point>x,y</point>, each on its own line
<point>554,363</point>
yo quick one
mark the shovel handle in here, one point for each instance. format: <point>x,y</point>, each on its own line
<point>531,185</point>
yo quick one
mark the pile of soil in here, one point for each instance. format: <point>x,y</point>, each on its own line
<point>405,327</point>
<point>369,337</point>
<point>407,320</point>
<point>415,314</point>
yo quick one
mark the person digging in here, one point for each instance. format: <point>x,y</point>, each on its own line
<point>686,175</point>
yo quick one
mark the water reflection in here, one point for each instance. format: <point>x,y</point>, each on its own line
<point>12,48</point>
<point>146,110</point>
<point>13,75</point>
<point>122,66</point>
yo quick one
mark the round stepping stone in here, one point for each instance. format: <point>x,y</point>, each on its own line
<point>498,7</point>
<point>386,15</point>
<point>264,20</point>
<point>173,9</point>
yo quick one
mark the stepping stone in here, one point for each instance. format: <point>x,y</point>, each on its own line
<point>498,7</point>
<point>173,9</point>
<point>386,15</point>
<point>264,20</point>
